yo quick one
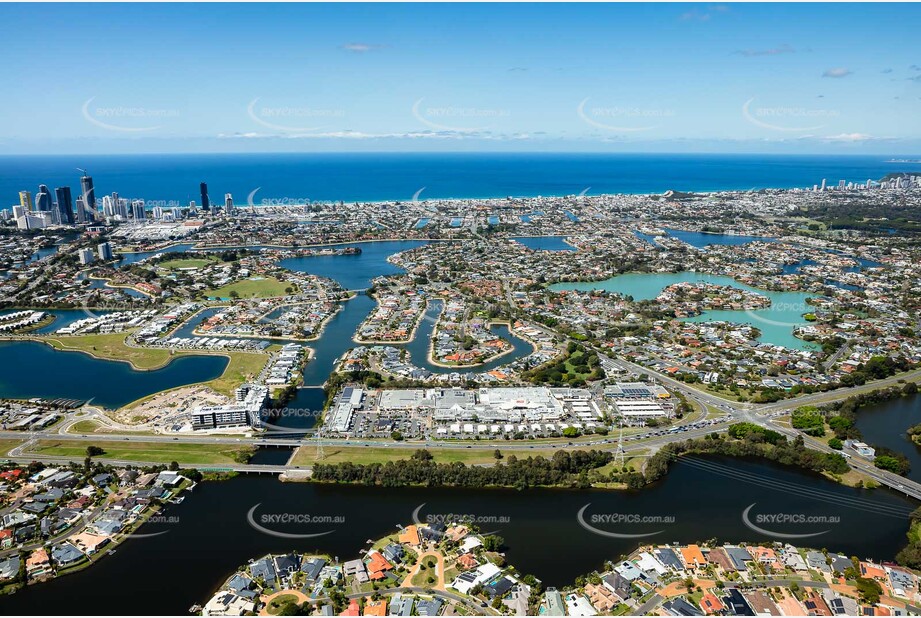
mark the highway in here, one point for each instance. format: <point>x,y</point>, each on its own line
<point>642,443</point>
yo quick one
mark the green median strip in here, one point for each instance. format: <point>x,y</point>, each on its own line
<point>155,452</point>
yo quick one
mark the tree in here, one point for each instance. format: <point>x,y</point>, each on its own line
<point>94,451</point>
<point>493,542</point>
<point>497,454</point>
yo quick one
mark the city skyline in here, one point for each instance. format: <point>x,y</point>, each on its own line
<point>753,78</point>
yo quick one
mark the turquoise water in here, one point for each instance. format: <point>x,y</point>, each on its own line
<point>776,323</point>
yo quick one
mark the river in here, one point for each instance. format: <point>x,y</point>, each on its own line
<point>211,536</point>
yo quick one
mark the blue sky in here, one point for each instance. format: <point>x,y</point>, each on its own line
<point>111,78</point>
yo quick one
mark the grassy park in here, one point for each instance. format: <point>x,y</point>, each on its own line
<point>263,287</point>
<point>307,455</point>
<point>183,263</point>
<point>155,452</point>
<point>241,366</point>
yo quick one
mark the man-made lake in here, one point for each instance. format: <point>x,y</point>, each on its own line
<point>210,536</point>
<point>776,322</point>
<point>32,369</point>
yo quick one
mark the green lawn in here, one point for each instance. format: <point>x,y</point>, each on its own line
<point>112,347</point>
<point>159,452</point>
<point>8,444</point>
<point>187,263</point>
<point>306,455</point>
<point>242,366</point>
<point>266,287</point>
<point>275,605</point>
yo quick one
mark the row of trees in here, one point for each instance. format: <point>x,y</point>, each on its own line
<point>564,469</point>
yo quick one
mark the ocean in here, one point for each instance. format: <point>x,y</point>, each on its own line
<point>296,178</point>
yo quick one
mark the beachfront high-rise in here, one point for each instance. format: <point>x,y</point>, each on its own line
<point>65,204</point>
<point>89,194</point>
<point>205,202</point>
<point>43,200</point>
<point>25,200</point>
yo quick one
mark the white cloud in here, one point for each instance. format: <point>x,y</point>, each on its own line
<point>849,137</point>
<point>360,48</point>
<point>836,72</point>
<point>775,51</point>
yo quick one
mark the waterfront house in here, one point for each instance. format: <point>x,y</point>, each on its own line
<point>89,543</point>
<point>65,554</point>
<point>629,571</point>
<point>578,605</point>
<point>312,568</point>
<point>693,557</point>
<point>601,597</point>
<point>38,563</point>
<point>618,585</point>
<point>816,560</point>
<point>393,552</point>
<point>226,603</point>
<point>239,582</point>
<point>287,564</point>
<point>466,562</point>
<point>870,570</point>
<point>9,567</point>
<point>738,556</point>
<point>553,603</point>
<point>668,557</point>
<point>378,566</point>
<point>356,568</point>
<point>263,569</point>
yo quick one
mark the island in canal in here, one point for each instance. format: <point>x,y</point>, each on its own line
<point>444,567</point>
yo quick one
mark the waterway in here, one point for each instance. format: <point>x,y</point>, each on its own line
<point>418,348</point>
<point>702,239</point>
<point>32,369</point>
<point>210,537</point>
<point>886,423</point>
<point>776,322</point>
